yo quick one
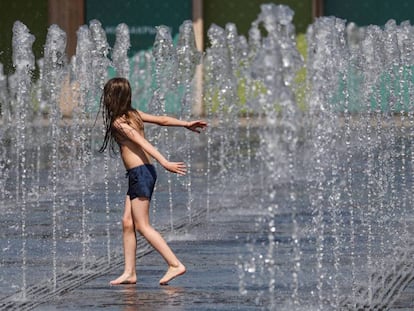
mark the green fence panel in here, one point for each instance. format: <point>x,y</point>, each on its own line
<point>141,16</point>
<point>370,12</point>
<point>390,93</point>
<point>243,12</point>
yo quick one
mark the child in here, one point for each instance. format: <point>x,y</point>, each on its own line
<point>125,126</point>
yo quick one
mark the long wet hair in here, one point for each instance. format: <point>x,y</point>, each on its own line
<point>116,104</point>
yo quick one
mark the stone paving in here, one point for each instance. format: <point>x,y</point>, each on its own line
<point>210,252</point>
<point>209,248</point>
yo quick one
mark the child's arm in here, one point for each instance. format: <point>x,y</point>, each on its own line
<point>195,126</point>
<point>136,138</point>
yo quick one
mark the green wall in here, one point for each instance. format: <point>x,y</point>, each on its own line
<point>366,12</point>
<point>244,12</point>
<point>141,16</point>
<point>34,14</point>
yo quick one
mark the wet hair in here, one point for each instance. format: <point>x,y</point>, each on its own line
<point>116,104</point>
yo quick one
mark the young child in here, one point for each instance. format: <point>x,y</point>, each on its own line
<point>125,126</point>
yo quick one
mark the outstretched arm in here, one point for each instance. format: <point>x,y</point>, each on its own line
<point>136,138</point>
<point>195,126</point>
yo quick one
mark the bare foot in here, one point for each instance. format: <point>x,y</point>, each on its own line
<point>124,279</point>
<point>172,273</point>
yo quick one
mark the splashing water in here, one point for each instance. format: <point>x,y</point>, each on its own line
<point>23,61</point>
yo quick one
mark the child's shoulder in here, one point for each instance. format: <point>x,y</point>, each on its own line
<point>120,121</point>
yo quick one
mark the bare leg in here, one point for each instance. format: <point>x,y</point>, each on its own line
<point>140,214</point>
<point>130,246</point>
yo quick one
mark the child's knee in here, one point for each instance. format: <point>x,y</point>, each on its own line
<point>127,224</point>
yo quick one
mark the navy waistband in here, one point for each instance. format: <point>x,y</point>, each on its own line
<point>149,165</point>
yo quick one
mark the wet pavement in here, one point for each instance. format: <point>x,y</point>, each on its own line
<point>210,245</point>
<point>210,251</point>
<point>211,283</point>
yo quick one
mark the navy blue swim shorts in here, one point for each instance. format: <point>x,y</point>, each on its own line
<point>141,181</point>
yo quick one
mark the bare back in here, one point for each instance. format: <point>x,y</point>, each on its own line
<point>132,153</point>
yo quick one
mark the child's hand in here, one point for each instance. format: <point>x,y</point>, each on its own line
<point>176,167</point>
<point>196,126</point>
